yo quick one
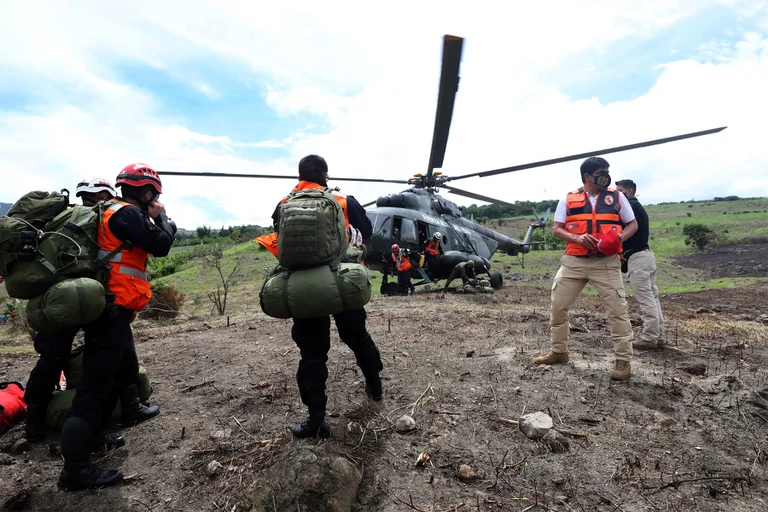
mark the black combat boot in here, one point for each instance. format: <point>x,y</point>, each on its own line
<point>133,410</point>
<point>87,476</point>
<point>106,442</point>
<point>373,388</point>
<point>315,426</point>
<point>35,427</point>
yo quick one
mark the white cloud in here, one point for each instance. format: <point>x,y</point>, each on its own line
<point>373,75</point>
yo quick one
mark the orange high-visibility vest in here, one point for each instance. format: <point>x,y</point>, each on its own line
<point>127,269</point>
<point>581,219</point>
<point>433,248</point>
<point>269,242</point>
<point>403,263</point>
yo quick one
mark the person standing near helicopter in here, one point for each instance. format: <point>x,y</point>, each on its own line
<point>401,264</point>
<point>593,220</point>
<point>432,252</point>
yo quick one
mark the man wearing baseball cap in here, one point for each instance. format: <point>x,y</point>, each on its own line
<point>593,220</point>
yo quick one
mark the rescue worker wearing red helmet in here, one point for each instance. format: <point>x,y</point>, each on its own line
<point>401,264</point>
<point>55,349</point>
<point>136,222</point>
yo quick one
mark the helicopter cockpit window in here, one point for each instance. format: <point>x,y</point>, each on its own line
<point>383,225</point>
<point>408,230</point>
<point>371,217</point>
<point>437,207</point>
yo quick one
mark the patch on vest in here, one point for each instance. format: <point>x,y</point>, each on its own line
<point>609,200</point>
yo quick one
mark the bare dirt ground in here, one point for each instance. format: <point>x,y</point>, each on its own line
<point>731,261</point>
<point>666,440</point>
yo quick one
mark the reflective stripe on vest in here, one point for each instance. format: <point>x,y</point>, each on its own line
<point>581,219</point>
<point>403,264</point>
<point>117,258</point>
<point>127,269</point>
<point>432,248</point>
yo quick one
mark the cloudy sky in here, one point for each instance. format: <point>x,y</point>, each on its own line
<point>251,87</point>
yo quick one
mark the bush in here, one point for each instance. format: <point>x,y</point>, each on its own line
<point>166,302</point>
<point>697,235</point>
<point>165,266</point>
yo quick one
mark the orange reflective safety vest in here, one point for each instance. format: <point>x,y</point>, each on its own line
<point>403,263</point>
<point>269,242</point>
<point>127,269</point>
<point>581,219</point>
<point>433,248</point>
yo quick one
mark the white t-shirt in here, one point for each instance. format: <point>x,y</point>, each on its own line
<point>626,213</point>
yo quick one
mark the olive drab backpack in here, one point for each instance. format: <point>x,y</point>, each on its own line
<point>43,242</point>
<point>311,231</point>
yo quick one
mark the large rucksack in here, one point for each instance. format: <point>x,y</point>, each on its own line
<point>316,292</point>
<point>43,242</point>
<point>312,230</point>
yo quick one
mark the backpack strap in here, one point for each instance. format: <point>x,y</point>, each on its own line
<point>337,278</point>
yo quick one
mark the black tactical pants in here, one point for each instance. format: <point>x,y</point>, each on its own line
<point>313,337</point>
<point>404,282</point>
<point>109,365</point>
<point>55,350</point>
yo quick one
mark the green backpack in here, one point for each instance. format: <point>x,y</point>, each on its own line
<point>44,242</point>
<point>312,230</point>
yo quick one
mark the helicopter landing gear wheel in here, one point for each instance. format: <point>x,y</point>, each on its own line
<point>497,280</point>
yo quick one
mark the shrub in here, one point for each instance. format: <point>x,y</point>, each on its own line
<point>166,302</point>
<point>697,235</point>
<point>165,266</point>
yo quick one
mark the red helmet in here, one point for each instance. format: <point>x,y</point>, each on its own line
<point>395,248</point>
<point>138,175</point>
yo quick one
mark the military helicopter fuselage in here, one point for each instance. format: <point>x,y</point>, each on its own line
<point>410,218</point>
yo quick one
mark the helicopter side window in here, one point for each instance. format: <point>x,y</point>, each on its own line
<point>408,230</point>
<point>383,226</point>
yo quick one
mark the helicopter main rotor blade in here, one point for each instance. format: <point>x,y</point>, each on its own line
<point>617,149</point>
<point>460,192</point>
<point>269,176</point>
<point>449,84</point>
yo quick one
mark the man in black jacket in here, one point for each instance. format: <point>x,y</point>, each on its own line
<point>55,349</point>
<point>313,335</point>
<point>641,272</point>
<point>135,223</point>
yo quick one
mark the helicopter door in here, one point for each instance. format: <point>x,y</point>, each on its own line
<point>423,235</point>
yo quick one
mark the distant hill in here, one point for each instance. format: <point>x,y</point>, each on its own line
<point>4,207</point>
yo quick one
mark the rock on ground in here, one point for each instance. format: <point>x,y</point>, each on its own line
<point>405,424</point>
<point>308,478</point>
<point>535,425</point>
<point>556,442</point>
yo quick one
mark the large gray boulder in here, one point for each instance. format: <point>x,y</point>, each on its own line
<point>309,477</point>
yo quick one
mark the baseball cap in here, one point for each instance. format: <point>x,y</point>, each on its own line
<point>608,243</point>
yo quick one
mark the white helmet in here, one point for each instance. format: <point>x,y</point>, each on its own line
<point>94,186</point>
<point>437,236</point>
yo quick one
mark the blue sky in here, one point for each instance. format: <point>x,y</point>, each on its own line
<point>224,87</point>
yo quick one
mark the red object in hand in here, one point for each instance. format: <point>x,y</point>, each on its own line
<point>608,243</point>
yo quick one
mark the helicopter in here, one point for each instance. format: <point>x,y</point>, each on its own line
<point>413,216</point>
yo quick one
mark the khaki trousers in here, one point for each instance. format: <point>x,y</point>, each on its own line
<point>605,274</point>
<point>642,277</point>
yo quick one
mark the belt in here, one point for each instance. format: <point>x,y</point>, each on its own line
<point>630,252</point>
